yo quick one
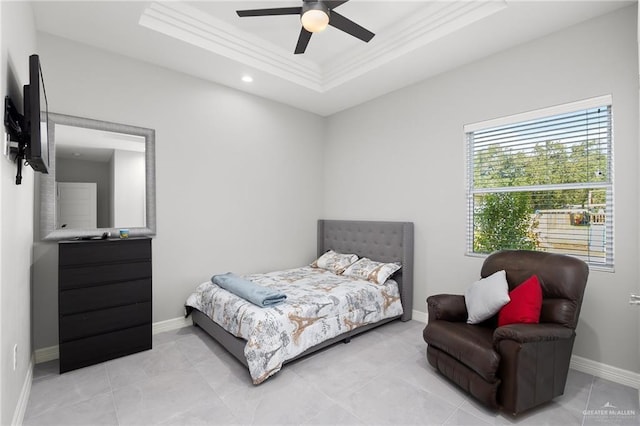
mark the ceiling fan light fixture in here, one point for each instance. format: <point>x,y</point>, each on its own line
<point>315,17</point>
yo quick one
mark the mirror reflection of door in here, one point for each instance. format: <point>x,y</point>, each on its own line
<point>84,168</point>
<point>115,162</point>
<point>77,205</point>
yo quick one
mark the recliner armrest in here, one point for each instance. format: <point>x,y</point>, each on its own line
<point>528,333</point>
<point>448,307</point>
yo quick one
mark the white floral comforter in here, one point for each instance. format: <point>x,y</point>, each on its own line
<point>319,305</point>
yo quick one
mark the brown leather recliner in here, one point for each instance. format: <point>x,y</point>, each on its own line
<point>517,366</point>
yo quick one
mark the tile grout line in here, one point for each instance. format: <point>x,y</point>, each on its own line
<point>593,378</point>
<point>113,397</point>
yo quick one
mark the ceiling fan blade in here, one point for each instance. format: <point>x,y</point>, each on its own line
<point>270,12</point>
<point>333,4</point>
<point>348,26</point>
<point>303,41</point>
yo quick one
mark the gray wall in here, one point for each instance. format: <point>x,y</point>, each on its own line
<point>16,217</point>
<point>239,187</point>
<point>422,131</point>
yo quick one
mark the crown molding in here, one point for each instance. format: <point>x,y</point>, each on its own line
<point>191,25</point>
<point>436,20</point>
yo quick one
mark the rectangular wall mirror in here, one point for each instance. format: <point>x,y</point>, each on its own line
<point>101,179</point>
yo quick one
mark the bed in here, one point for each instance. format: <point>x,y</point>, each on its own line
<point>380,241</point>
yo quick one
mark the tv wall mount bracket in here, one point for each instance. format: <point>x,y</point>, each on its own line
<point>15,134</point>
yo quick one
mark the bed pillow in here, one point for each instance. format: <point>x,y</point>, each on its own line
<point>485,298</point>
<point>334,261</point>
<point>370,270</point>
<point>525,304</point>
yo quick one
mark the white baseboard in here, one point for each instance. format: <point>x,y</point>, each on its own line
<point>172,324</point>
<point>419,316</point>
<point>604,371</point>
<point>50,353</point>
<point>46,354</point>
<point>21,406</point>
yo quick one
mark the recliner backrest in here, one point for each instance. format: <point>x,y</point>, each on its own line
<point>562,278</point>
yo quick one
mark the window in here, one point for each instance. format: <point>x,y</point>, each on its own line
<point>543,181</point>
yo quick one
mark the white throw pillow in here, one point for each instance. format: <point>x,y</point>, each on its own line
<point>370,270</point>
<point>484,298</point>
<point>334,261</point>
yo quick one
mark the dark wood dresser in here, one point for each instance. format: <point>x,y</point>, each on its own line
<point>104,300</point>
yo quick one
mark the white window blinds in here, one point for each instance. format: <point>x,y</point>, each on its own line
<point>543,181</point>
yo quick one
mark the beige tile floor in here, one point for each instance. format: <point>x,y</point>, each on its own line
<point>379,378</point>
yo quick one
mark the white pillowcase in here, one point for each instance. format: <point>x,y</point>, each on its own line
<point>334,261</point>
<point>370,270</point>
<point>484,298</point>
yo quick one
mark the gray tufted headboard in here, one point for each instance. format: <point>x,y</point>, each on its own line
<point>381,241</point>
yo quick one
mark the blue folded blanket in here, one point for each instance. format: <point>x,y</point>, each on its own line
<point>254,293</point>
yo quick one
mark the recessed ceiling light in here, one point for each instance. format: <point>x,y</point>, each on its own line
<point>247,78</point>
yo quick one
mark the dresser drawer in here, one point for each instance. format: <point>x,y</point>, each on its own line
<point>103,251</point>
<point>95,349</point>
<point>103,321</point>
<point>83,276</point>
<point>104,296</point>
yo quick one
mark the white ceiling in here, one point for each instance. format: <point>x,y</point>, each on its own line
<point>414,40</point>
<point>71,142</point>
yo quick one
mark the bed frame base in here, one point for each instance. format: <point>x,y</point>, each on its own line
<point>235,345</point>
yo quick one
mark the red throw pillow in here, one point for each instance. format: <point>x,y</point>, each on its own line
<point>525,304</point>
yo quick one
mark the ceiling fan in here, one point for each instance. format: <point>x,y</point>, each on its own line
<point>315,15</point>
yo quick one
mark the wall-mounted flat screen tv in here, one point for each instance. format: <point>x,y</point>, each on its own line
<point>36,112</point>
<point>29,132</point>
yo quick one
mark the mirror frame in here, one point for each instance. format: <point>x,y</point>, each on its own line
<point>48,229</point>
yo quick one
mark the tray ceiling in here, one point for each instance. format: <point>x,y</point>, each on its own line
<point>414,40</point>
